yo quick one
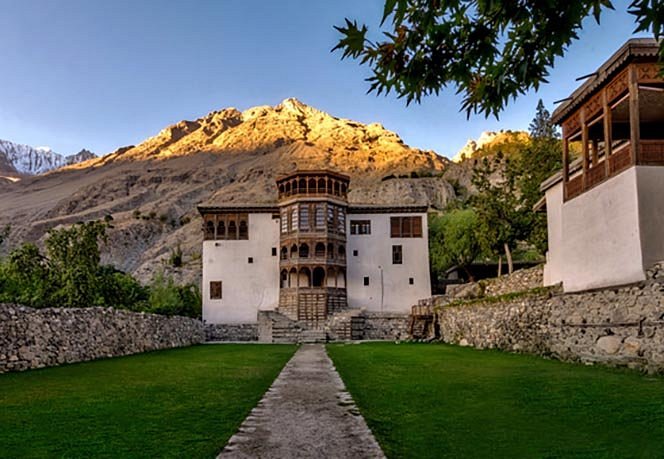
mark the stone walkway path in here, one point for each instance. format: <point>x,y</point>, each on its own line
<point>306,413</point>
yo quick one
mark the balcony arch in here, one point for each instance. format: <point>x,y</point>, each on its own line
<point>319,251</point>
<point>318,277</point>
<point>209,230</point>
<point>304,251</point>
<point>304,277</point>
<point>284,279</point>
<point>293,251</point>
<point>284,253</point>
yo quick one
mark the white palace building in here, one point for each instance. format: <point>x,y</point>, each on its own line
<point>312,254</point>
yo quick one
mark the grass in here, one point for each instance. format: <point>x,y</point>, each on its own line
<point>175,403</point>
<point>425,400</point>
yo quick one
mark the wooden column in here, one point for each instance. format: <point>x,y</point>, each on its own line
<point>584,141</point>
<point>608,134</point>
<point>634,121</point>
<point>565,164</point>
<point>595,154</point>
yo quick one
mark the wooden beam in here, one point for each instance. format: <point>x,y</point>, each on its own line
<point>565,166</point>
<point>634,119</point>
<point>608,132</point>
<point>584,141</point>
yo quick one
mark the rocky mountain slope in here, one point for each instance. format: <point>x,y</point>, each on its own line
<point>151,190</point>
<point>18,160</point>
<point>489,142</point>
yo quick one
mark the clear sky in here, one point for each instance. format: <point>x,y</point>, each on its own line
<point>103,74</point>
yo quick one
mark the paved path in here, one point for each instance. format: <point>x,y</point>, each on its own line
<point>306,413</point>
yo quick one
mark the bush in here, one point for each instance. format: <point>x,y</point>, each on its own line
<point>170,299</point>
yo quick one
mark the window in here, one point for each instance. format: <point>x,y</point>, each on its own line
<point>406,226</point>
<point>341,221</point>
<point>360,227</point>
<point>250,260</point>
<point>320,216</point>
<point>366,280</point>
<point>304,217</point>
<point>244,230</point>
<point>284,221</point>
<point>411,281</point>
<point>397,254</point>
<point>274,251</point>
<point>215,290</point>
<point>355,253</point>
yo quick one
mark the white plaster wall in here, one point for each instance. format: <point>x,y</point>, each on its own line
<point>554,260</point>
<point>600,239</point>
<point>393,293</point>
<point>651,213</point>
<point>247,287</point>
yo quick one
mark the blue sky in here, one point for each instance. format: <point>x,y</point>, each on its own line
<point>103,74</point>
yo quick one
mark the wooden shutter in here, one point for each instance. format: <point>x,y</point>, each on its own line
<point>417,226</point>
<point>215,290</point>
<point>395,227</point>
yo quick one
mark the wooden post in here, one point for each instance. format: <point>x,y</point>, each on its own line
<point>594,152</point>
<point>608,134</point>
<point>584,141</point>
<point>565,165</point>
<point>634,121</point>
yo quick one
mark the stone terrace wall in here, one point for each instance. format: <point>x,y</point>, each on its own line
<point>618,327</point>
<point>231,332</point>
<point>36,338</point>
<point>518,281</point>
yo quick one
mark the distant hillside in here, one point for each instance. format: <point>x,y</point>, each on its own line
<point>151,190</point>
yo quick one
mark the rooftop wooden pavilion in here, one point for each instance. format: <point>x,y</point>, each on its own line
<point>617,116</point>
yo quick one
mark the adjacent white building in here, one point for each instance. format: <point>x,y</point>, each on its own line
<point>605,209</point>
<point>312,254</point>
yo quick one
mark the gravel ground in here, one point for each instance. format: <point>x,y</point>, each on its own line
<point>306,413</point>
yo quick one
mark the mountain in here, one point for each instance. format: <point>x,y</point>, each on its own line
<point>17,160</point>
<point>151,190</point>
<point>489,143</point>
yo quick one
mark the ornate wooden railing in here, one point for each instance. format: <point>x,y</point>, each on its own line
<point>650,153</point>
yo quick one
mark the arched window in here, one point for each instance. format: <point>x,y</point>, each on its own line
<point>302,186</point>
<point>341,278</point>
<point>244,230</point>
<point>284,279</point>
<point>221,230</point>
<point>336,188</point>
<point>312,185</point>
<point>282,189</point>
<point>319,251</point>
<point>232,230</point>
<point>331,277</point>
<point>209,230</point>
<point>288,188</point>
<point>342,252</point>
<point>292,278</point>
<point>321,185</point>
<point>344,188</point>
<point>295,190</point>
<point>284,253</point>
<point>330,251</point>
<point>304,251</point>
<point>329,186</point>
<point>319,277</point>
<point>304,278</point>
<point>293,251</point>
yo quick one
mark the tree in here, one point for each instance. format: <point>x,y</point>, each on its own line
<point>489,51</point>
<point>541,127</point>
<point>453,240</point>
<point>73,258</point>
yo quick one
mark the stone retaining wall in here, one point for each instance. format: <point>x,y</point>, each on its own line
<point>618,327</point>
<point>231,332</point>
<point>36,338</point>
<point>523,279</point>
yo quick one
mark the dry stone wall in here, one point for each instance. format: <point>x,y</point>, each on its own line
<point>619,326</point>
<point>231,332</point>
<point>36,338</point>
<point>523,279</point>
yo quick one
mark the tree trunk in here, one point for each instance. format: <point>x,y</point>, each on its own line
<point>500,265</point>
<point>470,276</point>
<point>508,255</point>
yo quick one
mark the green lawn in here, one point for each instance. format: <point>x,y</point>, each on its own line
<point>425,400</point>
<point>175,403</point>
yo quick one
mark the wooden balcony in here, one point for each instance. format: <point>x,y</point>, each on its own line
<point>650,153</point>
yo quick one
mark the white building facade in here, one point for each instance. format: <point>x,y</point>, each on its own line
<point>605,211</point>
<point>312,254</point>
